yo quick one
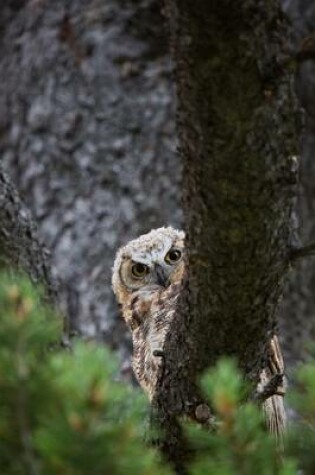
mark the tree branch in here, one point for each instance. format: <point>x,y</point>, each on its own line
<point>301,252</point>
<point>270,389</point>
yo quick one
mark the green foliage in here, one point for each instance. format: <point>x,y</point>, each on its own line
<point>61,412</point>
<point>240,445</point>
<point>301,440</point>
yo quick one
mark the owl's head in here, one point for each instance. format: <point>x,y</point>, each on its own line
<point>152,261</point>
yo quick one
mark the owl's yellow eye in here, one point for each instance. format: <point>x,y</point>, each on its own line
<point>173,256</point>
<point>139,270</point>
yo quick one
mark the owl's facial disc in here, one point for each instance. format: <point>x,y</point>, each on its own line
<point>140,275</point>
<point>158,269</point>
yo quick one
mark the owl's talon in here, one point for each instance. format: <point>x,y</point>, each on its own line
<point>159,353</point>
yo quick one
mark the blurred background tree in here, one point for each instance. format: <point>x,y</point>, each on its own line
<point>88,136</point>
<point>298,311</point>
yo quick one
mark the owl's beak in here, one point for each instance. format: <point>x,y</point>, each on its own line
<point>161,277</point>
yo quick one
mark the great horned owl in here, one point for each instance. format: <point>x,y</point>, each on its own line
<point>147,274</point>
<point>147,280</point>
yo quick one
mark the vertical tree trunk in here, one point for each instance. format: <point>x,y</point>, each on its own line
<point>87,133</point>
<point>237,141</point>
<point>237,137</point>
<point>297,318</point>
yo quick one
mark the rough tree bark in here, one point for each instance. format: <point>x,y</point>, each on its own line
<point>96,165</point>
<point>237,140</point>
<point>87,134</point>
<point>20,246</point>
<point>297,318</point>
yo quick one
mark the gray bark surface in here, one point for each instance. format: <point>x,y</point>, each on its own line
<point>297,316</point>
<point>87,135</point>
<point>20,246</point>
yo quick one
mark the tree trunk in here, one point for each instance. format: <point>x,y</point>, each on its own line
<point>88,137</point>
<point>237,141</point>
<point>297,318</point>
<point>20,247</point>
<point>95,165</point>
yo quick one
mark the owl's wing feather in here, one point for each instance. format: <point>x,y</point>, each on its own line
<point>274,406</point>
<point>155,315</point>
